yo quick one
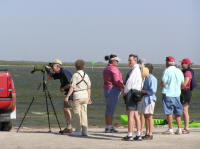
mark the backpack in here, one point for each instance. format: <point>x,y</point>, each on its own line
<point>193,83</point>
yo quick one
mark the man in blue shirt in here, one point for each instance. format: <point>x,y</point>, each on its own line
<point>65,78</point>
<point>172,80</point>
<point>149,90</point>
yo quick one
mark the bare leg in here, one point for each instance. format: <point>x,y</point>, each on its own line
<point>147,123</point>
<point>130,121</point>
<point>178,120</point>
<point>68,116</point>
<point>137,120</point>
<point>186,116</point>
<point>142,119</point>
<point>169,118</point>
<point>150,124</point>
<point>109,120</point>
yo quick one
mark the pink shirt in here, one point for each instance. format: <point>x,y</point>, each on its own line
<point>189,75</point>
<point>112,77</point>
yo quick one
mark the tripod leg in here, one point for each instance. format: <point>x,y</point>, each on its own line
<point>54,110</point>
<point>47,111</point>
<point>25,114</point>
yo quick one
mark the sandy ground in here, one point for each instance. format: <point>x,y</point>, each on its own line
<point>39,138</point>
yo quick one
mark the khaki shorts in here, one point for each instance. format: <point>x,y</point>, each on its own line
<point>68,104</point>
<point>149,109</point>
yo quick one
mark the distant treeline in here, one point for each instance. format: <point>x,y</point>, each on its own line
<point>88,64</point>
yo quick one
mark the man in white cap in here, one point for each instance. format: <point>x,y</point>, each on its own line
<point>65,77</point>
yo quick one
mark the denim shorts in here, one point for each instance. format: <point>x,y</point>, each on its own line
<point>172,105</point>
<point>112,97</point>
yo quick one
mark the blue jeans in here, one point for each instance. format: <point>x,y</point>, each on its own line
<point>112,97</point>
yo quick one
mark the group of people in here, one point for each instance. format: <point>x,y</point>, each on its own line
<point>77,88</point>
<point>138,91</point>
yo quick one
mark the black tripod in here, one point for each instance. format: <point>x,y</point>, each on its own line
<point>47,96</point>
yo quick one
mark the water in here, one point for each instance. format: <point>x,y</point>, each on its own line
<point>26,85</point>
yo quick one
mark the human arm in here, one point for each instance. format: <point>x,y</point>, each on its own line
<point>89,96</point>
<point>72,87</point>
<point>186,81</point>
<point>69,94</point>
<point>117,78</point>
<point>188,76</point>
<point>62,89</point>
<point>150,86</point>
<point>89,89</point>
<point>50,77</point>
<point>164,78</point>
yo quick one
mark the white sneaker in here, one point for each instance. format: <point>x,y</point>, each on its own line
<point>178,132</point>
<point>169,132</point>
<point>76,133</point>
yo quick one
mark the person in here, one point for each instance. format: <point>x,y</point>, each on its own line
<point>81,89</point>
<point>186,93</point>
<point>113,85</point>
<point>144,73</point>
<point>64,76</point>
<point>148,104</point>
<point>172,80</point>
<point>133,82</point>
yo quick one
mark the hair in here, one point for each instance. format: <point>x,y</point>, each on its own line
<point>108,57</point>
<point>79,64</point>
<point>135,57</point>
<point>149,66</point>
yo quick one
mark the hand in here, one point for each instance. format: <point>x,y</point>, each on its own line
<point>143,92</point>
<point>123,94</point>
<point>66,99</point>
<point>62,90</point>
<point>90,101</point>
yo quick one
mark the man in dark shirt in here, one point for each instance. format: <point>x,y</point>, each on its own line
<point>65,78</point>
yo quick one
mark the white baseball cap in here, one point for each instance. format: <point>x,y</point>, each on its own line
<point>57,61</point>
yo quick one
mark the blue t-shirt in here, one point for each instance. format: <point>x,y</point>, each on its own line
<point>64,76</point>
<point>150,86</point>
<point>173,77</point>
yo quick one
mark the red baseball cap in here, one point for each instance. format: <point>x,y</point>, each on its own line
<point>186,60</point>
<point>170,59</point>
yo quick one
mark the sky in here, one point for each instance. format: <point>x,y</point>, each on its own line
<point>42,30</point>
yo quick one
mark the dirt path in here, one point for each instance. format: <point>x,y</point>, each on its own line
<point>39,138</point>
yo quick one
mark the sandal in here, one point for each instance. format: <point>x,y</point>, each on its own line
<point>185,131</point>
<point>66,130</point>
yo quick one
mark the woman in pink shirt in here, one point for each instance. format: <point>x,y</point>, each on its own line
<point>186,93</point>
<point>113,85</point>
